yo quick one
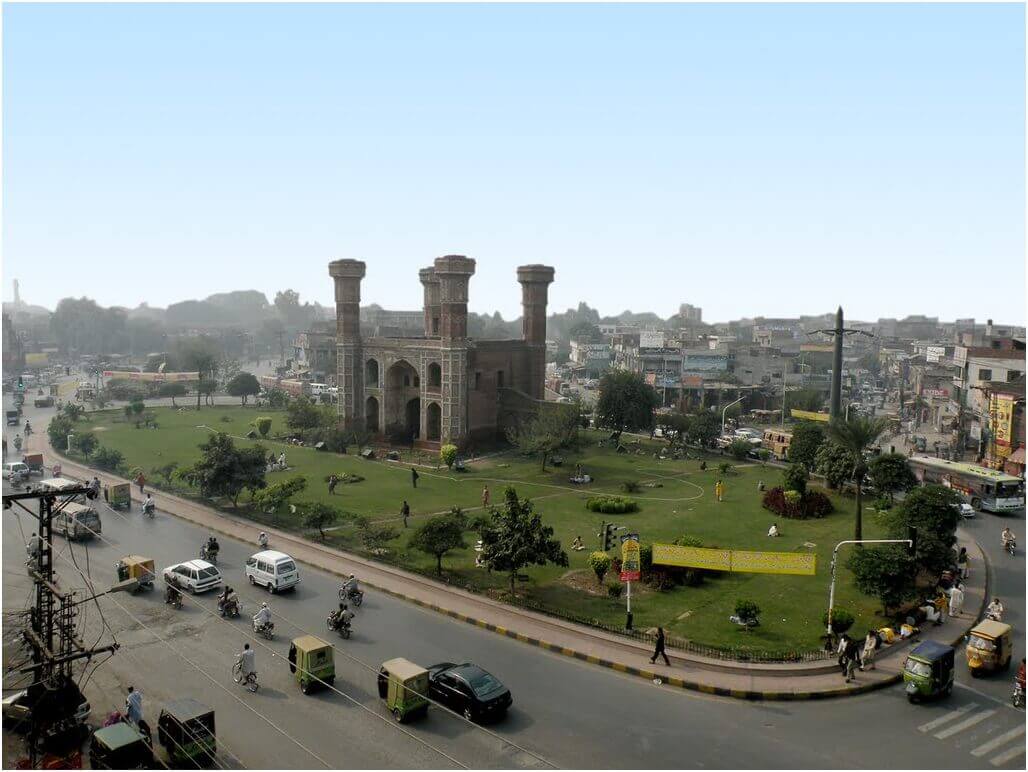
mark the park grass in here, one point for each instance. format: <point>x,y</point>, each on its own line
<point>684,506</point>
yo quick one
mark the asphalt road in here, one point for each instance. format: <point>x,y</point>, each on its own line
<point>565,713</point>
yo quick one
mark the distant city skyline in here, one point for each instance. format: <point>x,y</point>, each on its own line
<point>752,160</point>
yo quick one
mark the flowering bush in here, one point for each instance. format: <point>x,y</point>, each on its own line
<point>792,504</point>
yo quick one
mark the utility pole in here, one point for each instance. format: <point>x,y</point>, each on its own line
<point>838,334</point>
<point>53,696</point>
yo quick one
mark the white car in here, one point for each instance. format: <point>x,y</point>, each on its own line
<point>967,511</point>
<point>194,575</point>
<point>16,471</point>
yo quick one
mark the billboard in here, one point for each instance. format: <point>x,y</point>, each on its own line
<point>809,415</point>
<point>1002,418</point>
<point>744,561</point>
<point>36,360</point>
<point>651,339</point>
<point>631,567</point>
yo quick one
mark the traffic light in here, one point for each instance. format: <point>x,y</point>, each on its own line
<point>21,384</point>
<point>912,535</point>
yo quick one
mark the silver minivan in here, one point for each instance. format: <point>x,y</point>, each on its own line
<point>77,521</point>
<point>273,570</point>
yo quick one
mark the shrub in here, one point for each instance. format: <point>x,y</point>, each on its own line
<point>137,406</point>
<point>165,473</point>
<point>600,564</point>
<point>58,430</point>
<point>662,578</point>
<point>883,503</point>
<point>612,505</point>
<point>739,449</point>
<point>842,620</point>
<point>277,398</point>
<point>108,458</point>
<point>345,478</point>
<point>263,425</point>
<point>85,443</point>
<point>615,589</point>
<point>812,504</point>
<point>793,498</point>
<point>630,486</point>
<point>747,610</point>
<point>447,455</point>
<point>795,478</point>
<point>724,468</point>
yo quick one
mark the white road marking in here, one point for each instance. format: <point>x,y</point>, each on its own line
<point>947,717</point>
<point>1003,758</point>
<point>995,742</point>
<point>967,723</point>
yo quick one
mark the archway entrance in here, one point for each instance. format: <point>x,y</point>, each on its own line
<point>412,418</point>
<point>402,385</point>
<point>371,415</point>
<point>433,422</point>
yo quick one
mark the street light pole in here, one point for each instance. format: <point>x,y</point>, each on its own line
<point>724,413</point>
<point>835,556</point>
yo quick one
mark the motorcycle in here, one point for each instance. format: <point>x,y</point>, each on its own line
<point>337,625</point>
<point>149,509</point>
<point>356,597</point>
<point>230,608</point>
<point>1017,698</point>
<point>265,630</point>
<point>173,597</point>
<point>211,556</point>
<point>1010,546</point>
<point>748,622</point>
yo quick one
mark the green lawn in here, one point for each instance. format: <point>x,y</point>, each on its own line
<point>684,505</point>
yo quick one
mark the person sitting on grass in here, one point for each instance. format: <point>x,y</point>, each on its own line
<point>577,544</point>
<point>773,530</point>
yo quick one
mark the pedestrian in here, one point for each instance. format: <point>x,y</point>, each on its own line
<point>134,706</point>
<point>414,477</point>
<point>963,563</point>
<point>658,650</point>
<point>760,486</point>
<point>867,655</point>
<point>852,659</point>
<point>140,481</point>
<point>956,599</point>
<point>840,650</point>
<point>485,496</point>
<point>333,481</point>
<point>405,512</point>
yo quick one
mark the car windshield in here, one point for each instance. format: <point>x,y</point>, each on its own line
<point>285,568</point>
<point>88,518</point>
<point>982,644</point>
<point>208,573</point>
<point>482,682</point>
<point>918,668</point>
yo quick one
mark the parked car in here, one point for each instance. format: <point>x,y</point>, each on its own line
<point>194,575</point>
<point>469,690</point>
<point>967,511</point>
<point>16,709</point>
<point>272,570</point>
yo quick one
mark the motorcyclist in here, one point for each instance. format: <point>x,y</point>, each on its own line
<point>148,503</point>
<point>341,617</point>
<point>247,660</point>
<point>28,428</point>
<point>17,442</point>
<point>1021,674</point>
<point>94,484</point>
<point>995,610</point>
<point>1008,537</point>
<point>227,599</point>
<point>172,594</point>
<point>212,546</point>
<point>349,588</point>
<point>262,539</point>
<point>262,618</point>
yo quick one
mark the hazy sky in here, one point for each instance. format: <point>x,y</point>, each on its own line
<point>764,159</point>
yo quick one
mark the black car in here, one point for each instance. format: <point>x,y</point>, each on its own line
<point>469,690</point>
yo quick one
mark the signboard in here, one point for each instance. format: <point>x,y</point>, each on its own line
<point>651,339</point>
<point>1002,418</point>
<point>745,561</point>
<point>809,415</point>
<point>36,360</point>
<point>935,393</point>
<point>151,377</point>
<point>631,568</point>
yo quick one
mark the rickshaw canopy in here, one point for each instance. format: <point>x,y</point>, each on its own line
<point>991,629</point>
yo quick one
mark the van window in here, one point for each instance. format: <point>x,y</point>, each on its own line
<point>262,566</point>
<point>286,566</point>
<point>251,561</point>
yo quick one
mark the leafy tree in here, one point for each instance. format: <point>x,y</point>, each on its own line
<point>739,449</point>
<point>448,455</point>
<point>517,537</point>
<point>58,430</point>
<point>807,438</point>
<point>277,399</point>
<point>886,573</point>
<point>842,620</point>
<point>318,515</point>
<point>200,355</point>
<point>124,389</point>
<point>934,511</point>
<point>674,427</point>
<point>599,562</point>
<point>207,387</point>
<point>85,443</point>
<point>794,478</point>
<point>626,402</point>
<point>856,436</point>
<point>138,407</point>
<point>128,412</point>
<point>165,473</point>
<point>704,428</point>
<point>244,386</point>
<point>274,497</point>
<point>225,470</point>
<point>263,424</point>
<point>72,411</point>
<point>173,389</point>
<point>747,610</point>
<point>834,463</point>
<point>438,536</point>
<point>374,537</point>
<point>108,458</point>
<point>552,428</point>
<point>806,399</point>
<point>302,414</point>
<point>890,473</point>
<point>763,454</point>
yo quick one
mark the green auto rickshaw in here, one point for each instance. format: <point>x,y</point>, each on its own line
<point>186,730</point>
<point>404,687</point>
<point>118,495</point>
<point>311,659</point>
<point>928,671</point>
<point>119,746</point>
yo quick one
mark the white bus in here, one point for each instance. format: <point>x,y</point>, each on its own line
<point>986,489</point>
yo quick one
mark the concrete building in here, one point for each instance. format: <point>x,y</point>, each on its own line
<point>315,350</point>
<point>438,385</point>
<point>690,313</point>
<point>590,359</point>
<point>975,369</point>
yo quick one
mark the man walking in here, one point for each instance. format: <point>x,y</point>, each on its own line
<point>134,706</point>
<point>658,651</point>
<point>140,481</point>
<point>405,512</point>
<point>414,477</point>
<point>485,496</point>
<point>333,481</point>
<point>867,655</point>
<point>956,600</point>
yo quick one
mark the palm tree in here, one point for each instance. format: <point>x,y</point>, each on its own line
<point>857,435</point>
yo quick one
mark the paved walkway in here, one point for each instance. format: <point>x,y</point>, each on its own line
<point>792,681</point>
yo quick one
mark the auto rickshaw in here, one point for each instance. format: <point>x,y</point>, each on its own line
<point>186,730</point>
<point>311,659</point>
<point>928,671</point>
<point>989,647</point>
<point>119,746</point>
<point>139,568</point>
<point>118,495</point>
<point>404,687</point>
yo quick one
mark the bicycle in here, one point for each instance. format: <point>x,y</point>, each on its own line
<point>250,682</point>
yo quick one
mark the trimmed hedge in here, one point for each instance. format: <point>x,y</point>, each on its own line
<point>612,505</point>
<point>812,504</point>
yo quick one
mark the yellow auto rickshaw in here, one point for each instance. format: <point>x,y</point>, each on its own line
<point>311,659</point>
<point>989,647</point>
<point>404,687</point>
<point>118,495</point>
<point>137,568</point>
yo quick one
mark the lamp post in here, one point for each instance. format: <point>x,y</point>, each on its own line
<point>835,555</point>
<point>724,413</point>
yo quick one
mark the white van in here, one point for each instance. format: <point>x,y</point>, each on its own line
<point>273,570</point>
<point>61,484</point>
<point>77,521</point>
<point>318,388</point>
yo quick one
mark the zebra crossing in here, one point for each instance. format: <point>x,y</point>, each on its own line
<point>974,725</point>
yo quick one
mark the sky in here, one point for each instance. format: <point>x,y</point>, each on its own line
<point>770,160</point>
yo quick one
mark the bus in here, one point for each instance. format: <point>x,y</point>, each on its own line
<point>778,443</point>
<point>986,489</point>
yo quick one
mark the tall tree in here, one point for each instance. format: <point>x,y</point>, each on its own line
<point>934,511</point>
<point>552,428</point>
<point>891,473</point>
<point>807,437</point>
<point>244,385</point>
<point>302,414</point>
<point>857,435</point>
<point>516,537</point>
<point>626,402</point>
<point>886,573</point>
<point>225,470</point>
<point>704,428</point>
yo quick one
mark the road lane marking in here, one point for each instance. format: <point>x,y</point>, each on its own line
<point>995,742</point>
<point>1003,758</point>
<point>947,717</point>
<point>967,723</point>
